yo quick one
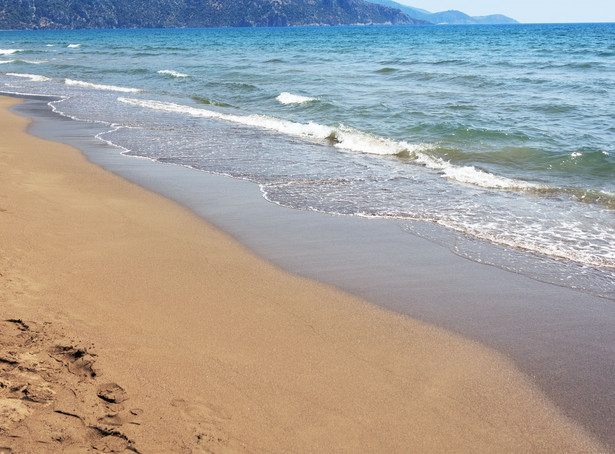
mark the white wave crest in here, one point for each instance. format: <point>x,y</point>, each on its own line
<point>349,139</point>
<point>73,46</point>
<point>9,51</point>
<point>361,142</point>
<point>475,177</point>
<point>32,77</point>
<point>309,130</point>
<point>31,62</point>
<point>342,137</point>
<point>289,98</point>
<point>170,72</point>
<point>79,83</point>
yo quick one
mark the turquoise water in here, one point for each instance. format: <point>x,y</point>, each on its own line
<point>501,134</point>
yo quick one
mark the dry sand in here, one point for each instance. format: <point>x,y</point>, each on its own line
<point>131,325</point>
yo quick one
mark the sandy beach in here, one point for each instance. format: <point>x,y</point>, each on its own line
<point>129,324</point>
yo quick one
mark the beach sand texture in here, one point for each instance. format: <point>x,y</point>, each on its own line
<point>131,325</point>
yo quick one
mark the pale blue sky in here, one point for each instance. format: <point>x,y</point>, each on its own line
<point>527,10</point>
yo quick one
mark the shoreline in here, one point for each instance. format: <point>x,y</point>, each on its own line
<point>285,363</point>
<point>562,338</point>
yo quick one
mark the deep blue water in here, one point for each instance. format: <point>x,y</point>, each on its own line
<point>502,134</point>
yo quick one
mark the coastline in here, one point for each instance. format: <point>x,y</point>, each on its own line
<point>223,351</point>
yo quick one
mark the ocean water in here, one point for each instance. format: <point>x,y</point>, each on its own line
<point>497,141</point>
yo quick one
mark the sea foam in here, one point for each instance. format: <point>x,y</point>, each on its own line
<point>73,46</point>
<point>79,83</point>
<point>9,51</point>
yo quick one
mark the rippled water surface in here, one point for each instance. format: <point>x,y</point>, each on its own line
<point>503,134</point>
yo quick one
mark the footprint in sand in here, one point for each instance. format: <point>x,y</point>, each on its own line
<point>116,414</point>
<point>206,423</point>
<point>49,399</point>
<point>76,359</point>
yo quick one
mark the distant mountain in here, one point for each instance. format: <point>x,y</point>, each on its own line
<point>445,17</point>
<point>495,19</point>
<point>457,17</point>
<point>81,14</point>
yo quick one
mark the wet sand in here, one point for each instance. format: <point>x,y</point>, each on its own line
<point>130,324</point>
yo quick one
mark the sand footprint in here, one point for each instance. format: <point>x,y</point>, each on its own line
<point>49,400</point>
<point>110,440</point>
<point>76,359</point>
<point>114,396</point>
<point>206,423</point>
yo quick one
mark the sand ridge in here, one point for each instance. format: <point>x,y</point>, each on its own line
<point>202,347</point>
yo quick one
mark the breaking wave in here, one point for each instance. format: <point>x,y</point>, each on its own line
<point>289,98</point>
<point>9,51</point>
<point>170,72</point>
<point>79,83</point>
<point>348,139</point>
<point>32,77</point>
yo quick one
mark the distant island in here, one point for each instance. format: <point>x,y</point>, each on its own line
<point>113,14</point>
<point>452,17</point>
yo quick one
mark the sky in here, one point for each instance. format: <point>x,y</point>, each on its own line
<point>527,11</point>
